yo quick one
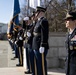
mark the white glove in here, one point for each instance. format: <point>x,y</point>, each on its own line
<point>15,42</point>
<point>20,38</point>
<point>9,39</point>
<point>28,34</point>
<point>41,49</point>
<point>12,41</point>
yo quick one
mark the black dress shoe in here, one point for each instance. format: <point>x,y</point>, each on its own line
<point>18,65</point>
<point>14,58</point>
<point>27,72</point>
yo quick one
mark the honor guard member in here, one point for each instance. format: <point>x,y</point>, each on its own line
<point>20,46</point>
<point>33,18</point>
<point>70,21</point>
<point>40,41</point>
<point>28,44</point>
<point>10,39</point>
<point>15,32</point>
<point>31,24</point>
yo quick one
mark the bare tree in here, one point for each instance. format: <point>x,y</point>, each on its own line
<point>56,12</point>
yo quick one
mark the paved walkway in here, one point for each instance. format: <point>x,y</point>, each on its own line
<point>20,71</point>
<point>3,54</point>
<point>8,66</point>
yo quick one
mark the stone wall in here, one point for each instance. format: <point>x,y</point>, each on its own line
<point>57,51</point>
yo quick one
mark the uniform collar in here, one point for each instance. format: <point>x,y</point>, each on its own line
<point>40,18</point>
<point>72,31</point>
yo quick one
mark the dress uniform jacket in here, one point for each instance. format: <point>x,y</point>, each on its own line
<point>71,61</point>
<point>30,38</point>
<point>20,42</point>
<point>15,35</point>
<point>28,29</point>
<point>40,33</point>
<point>40,39</point>
<point>28,46</point>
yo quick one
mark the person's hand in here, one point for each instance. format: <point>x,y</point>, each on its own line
<point>41,49</point>
<point>28,34</point>
<point>9,39</point>
<point>12,41</point>
<point>15,42</point>
<point>20,38</point>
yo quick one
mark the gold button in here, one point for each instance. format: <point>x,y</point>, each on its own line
<point>74,47</point>
<point>71,47</point>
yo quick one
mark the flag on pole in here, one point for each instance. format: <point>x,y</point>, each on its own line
<point>16,12</point>
<point>34,3</point>
<point>15,16</point>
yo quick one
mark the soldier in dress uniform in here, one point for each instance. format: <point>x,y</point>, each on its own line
<point>40,41</point>
<point>10,39</point>
<point>20,46</point>
<point>15,32</point>
<point>28,45</point>
<point>70,21</point>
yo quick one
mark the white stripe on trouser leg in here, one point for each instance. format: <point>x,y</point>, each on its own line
<point>24,59</point>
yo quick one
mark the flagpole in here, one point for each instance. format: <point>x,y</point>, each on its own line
<point>44,3</point>
<point>69,5</point>
<point>28,8</point>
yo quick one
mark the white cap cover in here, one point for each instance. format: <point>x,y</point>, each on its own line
<point>26,18</point>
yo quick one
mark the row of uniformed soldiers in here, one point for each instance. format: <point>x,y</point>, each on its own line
<point>36,43</point>
<point>33,37</point>
<point>16,42</point>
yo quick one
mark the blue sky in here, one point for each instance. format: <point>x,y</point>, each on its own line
<point>6,7</point>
